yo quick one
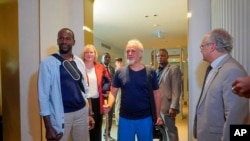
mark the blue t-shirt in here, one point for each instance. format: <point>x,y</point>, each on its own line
<point>71,92</point>
<point>135,99</point>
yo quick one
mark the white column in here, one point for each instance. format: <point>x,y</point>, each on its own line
<point>39,22</point>
<point>28,23</point>
<point>199,25</point>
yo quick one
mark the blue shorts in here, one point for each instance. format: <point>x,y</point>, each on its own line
<point>142,128</point>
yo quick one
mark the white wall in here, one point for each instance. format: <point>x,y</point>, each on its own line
<point>114,51</point>
<point>56,14</point>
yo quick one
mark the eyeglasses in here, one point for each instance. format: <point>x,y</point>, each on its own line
<point>207,44</point>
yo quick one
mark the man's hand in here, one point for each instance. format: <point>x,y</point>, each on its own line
<point>91,122</point>
<point>106,108</point>
<point>241,86</point>
<point>105,95</point>
<point>51,134</point>
<point>159,121</point>
<point>172,112</point>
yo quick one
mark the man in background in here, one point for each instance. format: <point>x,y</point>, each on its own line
<point>169,79</point>
<point>118,63</point>
<point>111,71</point>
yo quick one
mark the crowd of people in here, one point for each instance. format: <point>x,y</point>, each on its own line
<point>72,91</point>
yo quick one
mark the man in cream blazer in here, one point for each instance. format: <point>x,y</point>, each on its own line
<point>169,79</point>
<point>218,107</point>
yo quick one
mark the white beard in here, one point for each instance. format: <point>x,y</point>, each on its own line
<point>130,62</point>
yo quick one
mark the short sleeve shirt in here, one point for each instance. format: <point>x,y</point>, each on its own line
<point>135,99</point>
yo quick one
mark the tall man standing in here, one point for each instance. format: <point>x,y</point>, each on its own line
<point>62,100</point>
<point>169,79</point>
<point>135,111</point>
<point>105,60</point>
<point>218,107</point>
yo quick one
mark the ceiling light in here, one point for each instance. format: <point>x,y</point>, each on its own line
<point>159,33</point>
<point>156,25</point>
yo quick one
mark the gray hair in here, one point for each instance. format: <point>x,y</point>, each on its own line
<point>222,39</point>
<point>138,44</point>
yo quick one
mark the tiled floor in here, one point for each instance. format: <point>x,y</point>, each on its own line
<point>181,122</point>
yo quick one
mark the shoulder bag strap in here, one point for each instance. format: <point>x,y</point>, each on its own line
<point>79,81</point>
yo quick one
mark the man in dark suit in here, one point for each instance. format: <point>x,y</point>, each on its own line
<point>218,107</point>
<point>106,62</point>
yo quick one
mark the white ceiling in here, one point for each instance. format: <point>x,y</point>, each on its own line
<point>117,21</point>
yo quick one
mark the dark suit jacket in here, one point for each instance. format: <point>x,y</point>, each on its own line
<point>218,106</point>
<point>111,70</point>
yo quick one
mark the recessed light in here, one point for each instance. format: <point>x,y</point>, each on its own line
<point>156,25</point>
<point>189,15</point>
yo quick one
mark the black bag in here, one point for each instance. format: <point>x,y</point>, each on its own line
<point>157,133</point>
<point>160,133</point>
<point>105,84</point>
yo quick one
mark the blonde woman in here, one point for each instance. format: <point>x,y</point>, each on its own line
<point>95,72</point>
